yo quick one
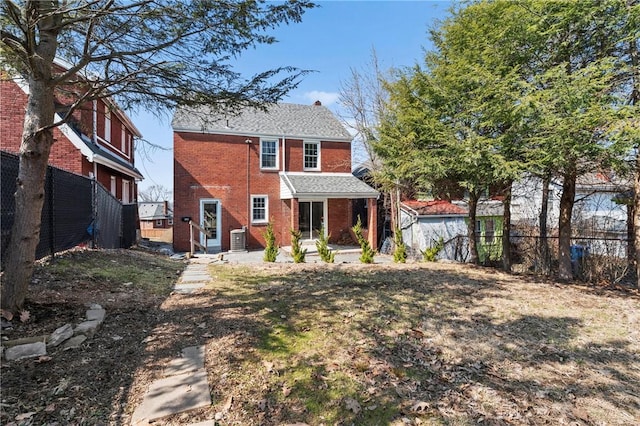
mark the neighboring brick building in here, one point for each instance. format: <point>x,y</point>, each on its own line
<point>290,165</point>
<point>97,142</point>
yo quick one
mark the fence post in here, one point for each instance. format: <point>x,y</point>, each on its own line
<point>94,208</point>
<point>52,204</point>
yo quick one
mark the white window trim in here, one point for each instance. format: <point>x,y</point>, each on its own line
<point>107,125</point>
<point>126,191</point>
<point>123,141</point>
<point>113,186</point>
<point>277,142</point>
<point>266,209</point>
<point>304,155</point>
<point>158,222</point>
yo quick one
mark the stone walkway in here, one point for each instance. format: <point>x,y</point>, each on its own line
<point>194,277</point>
<point>184,386</point>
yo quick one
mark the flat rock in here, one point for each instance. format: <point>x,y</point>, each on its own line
<point>24,341</point>
<point>196,278</point>
<point>29,350</point>
<point>188,288</point>
<point>74,342</point>
<point>96,314</point>
<point>88,328</point>
<point>192,360</point>
<point>173,395</point>
<point>60,335</point>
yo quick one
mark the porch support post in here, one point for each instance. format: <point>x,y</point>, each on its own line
<point>294,215</point>
<point>372,223</point>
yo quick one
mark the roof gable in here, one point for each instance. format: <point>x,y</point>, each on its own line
<point>152,210</point>
<point>282,119</point>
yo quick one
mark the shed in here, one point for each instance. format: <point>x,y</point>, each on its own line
<point>425,222</point>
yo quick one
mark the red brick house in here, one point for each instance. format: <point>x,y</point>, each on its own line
<point>97,142</point>
<point>290,165</point>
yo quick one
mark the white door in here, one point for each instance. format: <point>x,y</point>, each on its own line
<point>210,218</point>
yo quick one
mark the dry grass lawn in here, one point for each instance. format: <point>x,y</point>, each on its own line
<point>414,344</point>
<point>344,344</point>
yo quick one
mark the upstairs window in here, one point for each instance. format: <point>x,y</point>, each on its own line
<point>107,126</point>
<point>123,141</point>
<point>312,155</point>
<point>269,154</point>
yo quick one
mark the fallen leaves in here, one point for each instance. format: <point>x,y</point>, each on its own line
<point>24,316</point>
<point>286,390</point>
<point>8,315</point>
<point>352,405</point>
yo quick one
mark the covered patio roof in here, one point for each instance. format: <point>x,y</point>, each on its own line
<point>323,185</point>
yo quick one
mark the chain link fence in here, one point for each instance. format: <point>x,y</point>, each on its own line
<point>76,210</point>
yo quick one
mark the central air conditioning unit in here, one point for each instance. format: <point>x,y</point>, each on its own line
<point>238,240</point>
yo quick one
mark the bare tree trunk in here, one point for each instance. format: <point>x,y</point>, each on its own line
<point>506,229</point>
<point>631,231</point>
<point>37,139</point>
<point>567,200</point>
<point>636,216</point>
<point>543,237</point>
<point>635,99</point>
<point>29,196</point>
<point>471,228</point>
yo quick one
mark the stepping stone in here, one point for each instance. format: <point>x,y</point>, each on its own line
<point>196,278</point>
<point>192,360</point>
<point>173,395</point>
<point>188,288</point>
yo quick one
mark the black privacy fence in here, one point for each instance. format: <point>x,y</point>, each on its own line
<point>77,210</point>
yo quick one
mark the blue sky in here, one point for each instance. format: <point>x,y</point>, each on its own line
<point>331,40</point>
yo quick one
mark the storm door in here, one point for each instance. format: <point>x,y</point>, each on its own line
<point>210,222</point>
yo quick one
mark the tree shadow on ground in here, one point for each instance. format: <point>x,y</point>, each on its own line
<point>401,342</point>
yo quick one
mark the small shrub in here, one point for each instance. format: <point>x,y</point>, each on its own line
<point>431,253</point>
<point>367,252</point>
<point>326,254</point>
<point>297,252</point>
<point>400,253</point>
<point>271,249</point>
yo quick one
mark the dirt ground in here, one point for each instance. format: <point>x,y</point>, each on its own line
<point>330,344</point>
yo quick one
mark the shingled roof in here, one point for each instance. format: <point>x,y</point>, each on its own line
<point>283,119</point>
<point>326,185</point>
<point>434,208</point>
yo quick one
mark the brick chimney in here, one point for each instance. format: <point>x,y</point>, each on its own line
<point>317,103</point>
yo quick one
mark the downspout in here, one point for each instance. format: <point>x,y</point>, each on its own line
<point>284,154</point>
<point>248,142</point>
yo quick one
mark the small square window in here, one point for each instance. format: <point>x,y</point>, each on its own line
<point>259,209</point>
<point>170,221</point>
<point>159,222</point>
